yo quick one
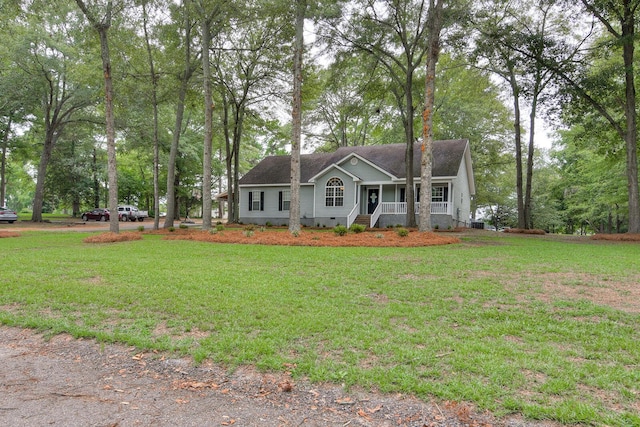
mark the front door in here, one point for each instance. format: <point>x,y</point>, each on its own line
<point>372,200</point>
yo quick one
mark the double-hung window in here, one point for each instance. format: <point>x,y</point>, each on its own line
<point>334,192</point>
<point>284,200</point>
<point>439,194</point>
<point>256,200</point>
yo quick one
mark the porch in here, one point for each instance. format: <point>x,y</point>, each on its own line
<point>394,208</point>
<point>400,208</point>
<point>389,201</point>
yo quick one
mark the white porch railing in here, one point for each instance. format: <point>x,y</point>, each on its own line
<point>353,215</point>
<point>400,208</point>
<point>375,215</point>
<point>440,208</point>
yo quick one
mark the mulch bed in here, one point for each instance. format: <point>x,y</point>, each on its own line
<point>377,238</point>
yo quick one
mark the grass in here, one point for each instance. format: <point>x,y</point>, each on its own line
<point>514,324</point>
<point>26,216</point>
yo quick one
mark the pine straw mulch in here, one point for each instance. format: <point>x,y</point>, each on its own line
<point>524,231</point>
<point>8,234</point>
<point>622,237</point>
<point>307,237</point>
<point>110,237</point>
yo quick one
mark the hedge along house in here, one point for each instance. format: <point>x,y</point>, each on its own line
<point>364,184</point>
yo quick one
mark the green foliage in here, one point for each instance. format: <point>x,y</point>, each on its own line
<point>340,230</point>
<point>357,228</point>
<point>589,192</point>
<point>402,232</point>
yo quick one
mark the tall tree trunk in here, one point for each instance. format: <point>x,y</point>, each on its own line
<point>433,52</point>
<point>102,27</point>
<point>208,125</point>
<point>528,219</point>
<point>114,225</point>
<point>631,134</point>
<point>96,180</point>
<point>408,154</point>
<point>236,179</point>
<point>156,147</point>
<point>231,189</point>
<point>515,89</point>
<point>38,200</point>
<point>172,202</point>
<point>296,115</point>
<point>3,163</point>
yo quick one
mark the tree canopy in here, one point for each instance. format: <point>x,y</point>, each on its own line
<point>193,93</point>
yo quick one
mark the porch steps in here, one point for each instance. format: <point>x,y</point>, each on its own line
<point>363,220</point>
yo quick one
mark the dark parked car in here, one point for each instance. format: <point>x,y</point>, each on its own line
<point>8,215</point>
<point>99,214</point>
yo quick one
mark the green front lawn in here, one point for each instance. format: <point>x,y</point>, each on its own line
<point>530,325</point>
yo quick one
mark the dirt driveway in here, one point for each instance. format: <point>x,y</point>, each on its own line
<point>68,382</point>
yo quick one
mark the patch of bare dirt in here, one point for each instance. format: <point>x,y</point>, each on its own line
<point>63,381</point>
<point>624,296</point>
<point>603,290</point>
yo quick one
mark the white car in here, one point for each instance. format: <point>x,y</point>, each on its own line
<point>8,215</point>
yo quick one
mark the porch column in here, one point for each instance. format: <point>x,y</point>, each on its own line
<point>450,199</point>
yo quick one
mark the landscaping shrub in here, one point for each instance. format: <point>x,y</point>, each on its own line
<point>357,228</point>
<point>340,230</point>
<point>402,232</point>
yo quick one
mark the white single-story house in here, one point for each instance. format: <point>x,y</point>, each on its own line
<point>364,184</point>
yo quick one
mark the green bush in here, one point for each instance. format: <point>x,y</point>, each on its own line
<point>357,228</point>
<point>171,229</point>
<point>220,227</point>
<point>402,232</point>
<point>184,226</point>
<point>340,230</point>
<point>141,228</point>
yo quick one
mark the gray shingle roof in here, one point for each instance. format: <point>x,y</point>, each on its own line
<point>447,156</point>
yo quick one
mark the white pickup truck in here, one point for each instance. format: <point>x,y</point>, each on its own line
<point>131,213</point>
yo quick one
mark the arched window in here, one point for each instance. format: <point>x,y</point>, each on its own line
<point>334,192</point>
